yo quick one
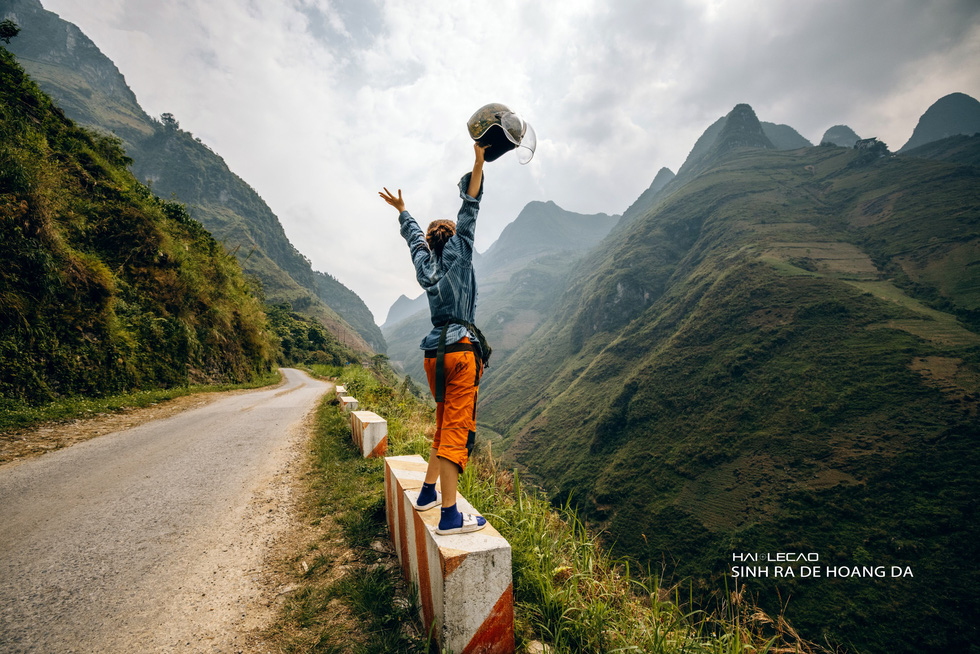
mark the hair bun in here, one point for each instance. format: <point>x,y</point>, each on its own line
<point>438,234</point>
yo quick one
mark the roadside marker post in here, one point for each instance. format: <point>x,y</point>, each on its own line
<point>370,433</point>
<point>464,581</point>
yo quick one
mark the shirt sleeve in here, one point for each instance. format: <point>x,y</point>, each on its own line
<point>418,248</point>
<point>466,219</point>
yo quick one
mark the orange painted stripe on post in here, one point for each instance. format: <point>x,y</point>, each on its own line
<point>403,533</point>
<point>391,509</point>
<point>381,448</point>
<point>451,559</point>
<point>425,584</point>
<point>496,634</point>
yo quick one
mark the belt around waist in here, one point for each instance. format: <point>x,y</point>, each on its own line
<point>455,347</point>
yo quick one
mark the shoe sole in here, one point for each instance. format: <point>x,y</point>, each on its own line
<point>431,505</point>
<point>465,529</point>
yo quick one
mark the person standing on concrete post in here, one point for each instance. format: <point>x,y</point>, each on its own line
<point>454,358</point>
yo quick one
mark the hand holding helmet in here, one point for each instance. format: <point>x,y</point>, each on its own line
<point>499,130</point>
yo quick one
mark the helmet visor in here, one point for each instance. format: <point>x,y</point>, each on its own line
<point>513,127</point>
<point>525,150</point>
<point>521,135</point>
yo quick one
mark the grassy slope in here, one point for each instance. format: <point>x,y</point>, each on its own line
<point>105,288</point>
<point>569,593</point>
<point>772,361</point>
<point>177,164</point>
<point>69,67</point>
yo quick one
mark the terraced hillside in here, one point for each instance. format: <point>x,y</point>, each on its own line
<point>781,355</point>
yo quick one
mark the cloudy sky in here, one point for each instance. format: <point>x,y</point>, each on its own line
<point>317,104</point>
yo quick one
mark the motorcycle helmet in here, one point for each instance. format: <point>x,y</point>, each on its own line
<point>500,130</point>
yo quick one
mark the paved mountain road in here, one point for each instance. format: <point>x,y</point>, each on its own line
<point>150,539</point>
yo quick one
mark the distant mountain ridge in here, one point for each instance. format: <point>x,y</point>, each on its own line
<point>402,308</point>
<point>543,227</point>
<point>645,201</point>
<point>762,338</point>
<point>784,137</point>
<point>955,149</point>
<point>93,92</point>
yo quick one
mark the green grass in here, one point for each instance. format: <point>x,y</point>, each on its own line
<point>569,592</point>
<point>936,326</point>
<point>361,606</point>
<point>15,414</point>
<point>350,596</point>
<point>574,596</point>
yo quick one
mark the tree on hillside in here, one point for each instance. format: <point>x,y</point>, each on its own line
<point>8,30</point>
<point>169,121</point>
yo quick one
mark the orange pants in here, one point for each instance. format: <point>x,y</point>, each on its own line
<point>456,415</point>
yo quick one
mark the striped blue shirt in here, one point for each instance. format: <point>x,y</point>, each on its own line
<point>449,280</point>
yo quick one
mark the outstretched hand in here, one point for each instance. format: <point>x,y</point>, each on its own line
<point>396,202</point>
<point>480,151</point>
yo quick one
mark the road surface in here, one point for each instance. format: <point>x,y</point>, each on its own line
<point>150,539</point>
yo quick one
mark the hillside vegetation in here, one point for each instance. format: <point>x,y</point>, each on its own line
<point>91,90</point>
<point>105,288</point>
<point>782,354</point>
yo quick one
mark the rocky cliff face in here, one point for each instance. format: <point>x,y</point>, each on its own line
<point>71,68</point>
<point>742,129</point>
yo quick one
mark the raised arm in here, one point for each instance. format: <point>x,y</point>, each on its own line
<point>470,191</point>
<point>477,177</point>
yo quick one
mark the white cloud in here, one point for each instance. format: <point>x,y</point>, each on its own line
<point>319,103</point>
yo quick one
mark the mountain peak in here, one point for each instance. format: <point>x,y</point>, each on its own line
<point>543,227</point>
<point>840,135</point>
<point>742,129</point>
<point>784,137</point>
<point>956,113</point>
<point>739,129</point>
